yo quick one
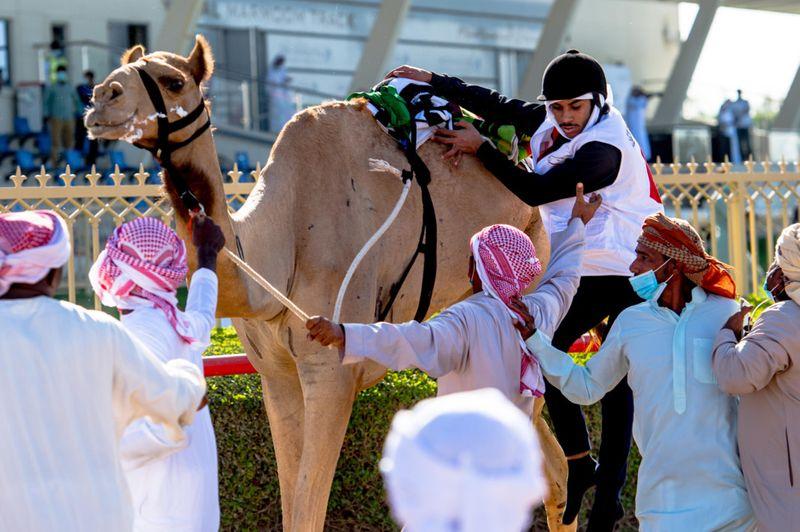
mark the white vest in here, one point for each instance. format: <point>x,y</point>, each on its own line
<point>612,234</point>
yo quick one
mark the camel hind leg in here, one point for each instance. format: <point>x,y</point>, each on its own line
<point>555,468</point>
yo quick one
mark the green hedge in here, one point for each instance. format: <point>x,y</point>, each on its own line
<point>249,494</point>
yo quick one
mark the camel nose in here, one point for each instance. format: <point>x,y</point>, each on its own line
<point>107,92</point>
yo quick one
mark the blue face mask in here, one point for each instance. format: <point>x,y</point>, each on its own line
<point>768,290</point>
<point>61,76</point>
<point>646,285</point>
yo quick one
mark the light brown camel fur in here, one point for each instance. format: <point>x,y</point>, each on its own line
<point>313,207</point>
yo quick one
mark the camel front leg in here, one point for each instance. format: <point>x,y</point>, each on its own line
<point>555,468</point>
<point>329,391</point>
<point>283,400</point>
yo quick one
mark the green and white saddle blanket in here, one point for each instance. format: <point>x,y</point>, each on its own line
<point>409,111</point>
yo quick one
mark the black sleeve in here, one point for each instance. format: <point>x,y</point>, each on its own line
<point>490,105</point>
<point>596,165</point>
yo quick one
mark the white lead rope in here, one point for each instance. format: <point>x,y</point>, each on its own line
<point>375,165</point>
<point>288,303</point>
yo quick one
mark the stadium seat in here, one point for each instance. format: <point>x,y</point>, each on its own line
<point>43,145</point>
<point>243,162</point>
<point>22,131</point>
<point>118,157</point>
<point>77,166</point>
<point>26,162</point>
<point>5,148</point>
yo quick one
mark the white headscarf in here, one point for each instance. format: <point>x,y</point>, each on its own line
<point>787,256</point>
<point>468,461</point>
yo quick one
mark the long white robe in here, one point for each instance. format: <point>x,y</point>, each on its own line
<point>474,344</point>
<point>690,477</point>
<point>174,487</point>
<point>72,380</point>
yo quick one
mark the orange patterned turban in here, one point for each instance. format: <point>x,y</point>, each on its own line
<point>677,239</point>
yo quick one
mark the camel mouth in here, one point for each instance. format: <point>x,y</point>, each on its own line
<point>107,130</point>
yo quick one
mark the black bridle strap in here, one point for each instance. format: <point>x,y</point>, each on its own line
<point>164,148</point>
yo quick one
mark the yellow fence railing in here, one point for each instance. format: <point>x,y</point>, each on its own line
<point>738,211</point>
<point>94,204</point>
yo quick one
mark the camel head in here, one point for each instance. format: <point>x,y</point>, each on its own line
<point>124,110</point>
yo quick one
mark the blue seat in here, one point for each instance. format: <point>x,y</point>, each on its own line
<point>25,160</point>
<point>43,145</point>
<point>243,162</point>
<point>118,157</point>
<point>74,158</point>
<point>5,148</point>
<point>77,166</point>
<point>22,131</point>
<point>21,126</point>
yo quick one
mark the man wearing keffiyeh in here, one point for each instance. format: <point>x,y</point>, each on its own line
<point>475,344</point>
<point>72,379</point>
<point>173,484</point>
<point>690,477</point>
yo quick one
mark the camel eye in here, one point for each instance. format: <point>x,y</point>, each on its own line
<point>174,85</point>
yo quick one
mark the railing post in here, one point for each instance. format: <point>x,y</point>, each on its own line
<point>737,234</point>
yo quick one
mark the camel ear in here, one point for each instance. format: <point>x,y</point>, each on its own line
<point>133,54</point>
<point>201,60</point>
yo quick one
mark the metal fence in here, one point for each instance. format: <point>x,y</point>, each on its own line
<point>739,211</point>
<point>93,205</point>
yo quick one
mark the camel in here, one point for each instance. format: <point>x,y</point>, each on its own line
<point>312,208</point>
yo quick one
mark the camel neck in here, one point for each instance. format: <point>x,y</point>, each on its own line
<point>199,169</point>
<point>198,166</point>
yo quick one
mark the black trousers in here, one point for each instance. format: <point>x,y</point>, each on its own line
<point>596,299</point>
<point>743,134</point>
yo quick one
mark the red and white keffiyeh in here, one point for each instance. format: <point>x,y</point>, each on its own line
<point>143,265</point>
<point>506,263</point>
<point>31,244</point>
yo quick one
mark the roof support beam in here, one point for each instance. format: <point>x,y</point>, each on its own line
<point>177,31</point>
<point>380,44</point>
<point>669,109</point>
<point>789,115</point>
<point>549,46</point>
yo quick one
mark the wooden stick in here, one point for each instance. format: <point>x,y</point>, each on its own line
<point>288,303</point>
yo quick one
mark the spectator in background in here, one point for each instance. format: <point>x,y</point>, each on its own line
<point>61,106</point>
<point>743,121</point>
<point>55,59</point>
<point>760,368</point>
<point>636,117</point>
<point>85,91</point>
<point>727,129</point>
<point>468,461</point>
<point>281,106</point>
